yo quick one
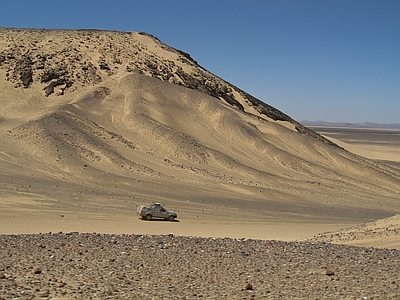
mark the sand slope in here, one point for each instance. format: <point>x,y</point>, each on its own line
<point>380,233</point>
<point>93,124</point>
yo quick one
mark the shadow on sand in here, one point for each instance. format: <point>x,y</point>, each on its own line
<point>160,220</point>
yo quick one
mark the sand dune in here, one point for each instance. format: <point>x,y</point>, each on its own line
<point>382,233</point>
<point>93,124</point>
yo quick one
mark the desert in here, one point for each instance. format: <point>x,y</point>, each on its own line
<point>94,124</point>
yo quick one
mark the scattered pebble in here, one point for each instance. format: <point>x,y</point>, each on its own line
<point>99,266</point>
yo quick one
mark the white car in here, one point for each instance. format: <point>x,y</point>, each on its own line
<point>156,210</point>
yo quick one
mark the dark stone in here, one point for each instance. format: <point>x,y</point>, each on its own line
<point>48,90</point>
<point>104,66</point>
<point>26,77</point>
<point>52,74</point>
<point>329,273</point>
<point>23,71</point>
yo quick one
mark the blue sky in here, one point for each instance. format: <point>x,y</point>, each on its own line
<point>336,61</point>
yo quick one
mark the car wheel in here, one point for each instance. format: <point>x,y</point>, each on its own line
<point>171,218</point>
<point>148,217</point>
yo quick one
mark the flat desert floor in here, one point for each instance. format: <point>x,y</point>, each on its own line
<point>374,143</point>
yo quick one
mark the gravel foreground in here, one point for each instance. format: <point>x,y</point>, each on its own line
<point>103,266</point>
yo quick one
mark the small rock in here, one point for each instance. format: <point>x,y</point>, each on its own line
<point>244,253</point>
<point>249,286</point>
<point>2,276</point>
<point>37,271</point>
<point>329,273</point>
<point>45,294</point>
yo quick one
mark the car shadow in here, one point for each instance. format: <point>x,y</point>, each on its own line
<point>161,220</point>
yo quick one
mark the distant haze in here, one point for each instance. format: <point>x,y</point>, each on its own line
<point>348,124</point>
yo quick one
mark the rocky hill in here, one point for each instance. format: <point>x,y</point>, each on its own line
<point>61,61</point>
